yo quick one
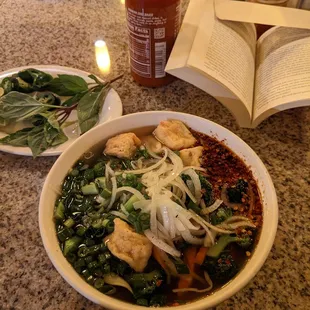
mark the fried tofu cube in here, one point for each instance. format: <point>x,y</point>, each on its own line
<point>123,145</point>
<point>152,143</point>
<point>174,134</point>
<point>129,246</point>
<point>192,156</point>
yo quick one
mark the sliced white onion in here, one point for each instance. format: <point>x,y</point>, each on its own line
<point>144,205</point>
<point>162,229</point>
<point>213,207</point>
<point>131,190</point>
<point>199,232</point>
<point>200,220</point>
<point>141,171</point>
<point>124,210</point>
<point>236,225</point>
<point>161,244</point>
<point>195,168</point>
<point>110,170</point>
<point>153,154</point>
<point>190,289</point>
<point>113,194</point>
<point>114,279</point>
<point>208,279</point>
<point>236,218</point>
<point>196,182</point>
<point>180,184</point>
<point>203,205</point>
<point>119,214</point>
<point>153,218</point>
<point>179,225</point>
<point>177,168</point>
<point>189,238</point>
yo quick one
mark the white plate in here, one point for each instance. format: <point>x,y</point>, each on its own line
<point>112,108</point>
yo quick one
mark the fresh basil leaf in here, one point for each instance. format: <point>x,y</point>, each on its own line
<point>37,141</point>
<point>50,132</point>
<point>18,138</point>
<point>38,79</point>
<point>17,106</point>
<point>60,138</point>
<point>93,77</point>
<point>73,100</point>
<point>7,85</point>
<point>51,119</point>
<point>89,107</point>
<point>67,85</point>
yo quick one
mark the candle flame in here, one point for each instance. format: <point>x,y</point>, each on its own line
<point>102,56</point>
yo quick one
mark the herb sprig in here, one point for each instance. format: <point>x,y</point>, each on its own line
<point>33,95</point>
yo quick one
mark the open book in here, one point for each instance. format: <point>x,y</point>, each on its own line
<point>253,79</point>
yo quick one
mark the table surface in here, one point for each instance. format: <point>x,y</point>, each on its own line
<point>63,33</point>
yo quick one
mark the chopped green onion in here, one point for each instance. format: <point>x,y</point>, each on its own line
<point>69,222</point>
<point>99,283</point>
<point>71,245</point>
<point>59,213</point>
<point>90,189</point>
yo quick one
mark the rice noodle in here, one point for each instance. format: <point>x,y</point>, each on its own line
<point>217,203</point>
<point>161,244</point>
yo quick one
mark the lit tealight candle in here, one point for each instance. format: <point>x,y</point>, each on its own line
<point>102,56</point>
<point>122,1</point>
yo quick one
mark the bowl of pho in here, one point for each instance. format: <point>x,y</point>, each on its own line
<point>158,209</point>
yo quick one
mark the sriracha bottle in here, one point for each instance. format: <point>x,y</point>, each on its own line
<point>153,26</point>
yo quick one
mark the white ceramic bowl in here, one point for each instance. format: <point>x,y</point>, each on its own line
<point>125,124</point>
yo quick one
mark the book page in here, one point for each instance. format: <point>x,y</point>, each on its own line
<point>282,71</point>
<point>225,51</point>
<point>262,14</point>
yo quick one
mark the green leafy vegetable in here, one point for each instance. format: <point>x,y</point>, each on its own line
<point>89,107</point>
<point>45,110</point>
<point>67,85</point>
<point>38,79</point>
<point>18,138</point>
<point>93,77</point>
<point>7,85</point>
<point>17,106</point>
<point>37,141</point>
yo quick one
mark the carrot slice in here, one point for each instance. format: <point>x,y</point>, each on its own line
<point>201,255</point>
<point>190,255</point>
